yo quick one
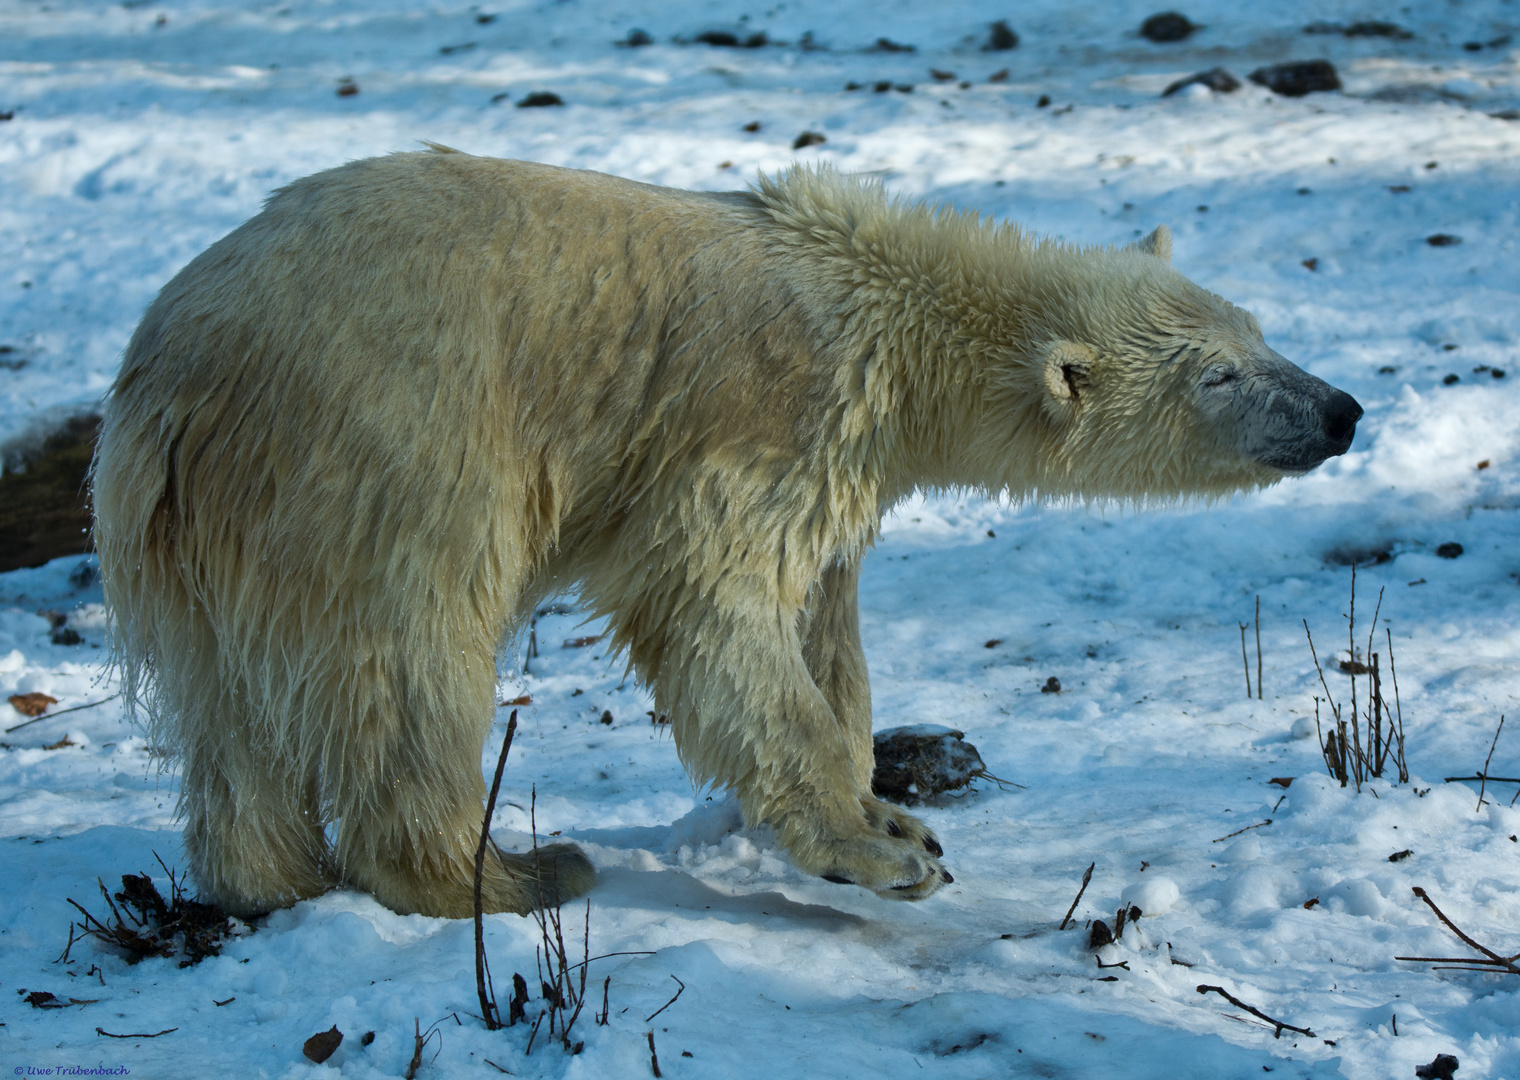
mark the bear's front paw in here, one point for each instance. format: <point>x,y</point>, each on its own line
<point>899,824</point>
<point>896,855</point>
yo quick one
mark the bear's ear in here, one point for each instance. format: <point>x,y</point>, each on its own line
<point>1158,243</point>
<point>1066,374</point>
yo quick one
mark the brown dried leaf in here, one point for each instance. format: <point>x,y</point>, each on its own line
<point>33,704</point>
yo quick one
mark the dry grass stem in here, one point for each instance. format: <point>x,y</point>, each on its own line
<point>1086,877</point>
<point>1489,961</point>
<point>1258,647</point>
<point>1244,663</point>
<point>489,1010</point>
<point>669,1003</point>
<point>1483,786</point>
<point>1233,1000</point>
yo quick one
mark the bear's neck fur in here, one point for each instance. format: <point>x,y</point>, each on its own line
<point>953,315</point>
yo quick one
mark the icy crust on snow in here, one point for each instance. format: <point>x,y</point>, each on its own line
<point>136,142</point>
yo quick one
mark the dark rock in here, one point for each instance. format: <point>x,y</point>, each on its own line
<point>1450,550</point>
<point>1359,556</point>
<point>539,99</point>
<point>84,575</point>
<point>1216,79</point>
<point>1099,935</point>
<point>1451,380</point>
<point>1366,28</point>
<point>1001,37</point>
<point>890,46</point>
<point>1441,1068</point>
<point>44,500</point>
<point>919,762</point>
<point>1298,78</point>
<point>1443,240</point>
<point>1167,27</point>
<point>636,39</point>
<point>320,1046</point>
<point>726,40</point>
<point>1375,28</point>
<point>1052,686</point>
<point>808,138</point>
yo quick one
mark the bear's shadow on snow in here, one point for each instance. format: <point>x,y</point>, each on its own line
<point>674,890</point>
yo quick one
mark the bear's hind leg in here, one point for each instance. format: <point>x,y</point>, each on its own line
<point>410,798</point>
<point>253,824</point>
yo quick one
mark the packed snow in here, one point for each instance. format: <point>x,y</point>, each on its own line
<point>141,132</point>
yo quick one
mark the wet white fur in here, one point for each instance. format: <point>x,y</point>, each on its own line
<point>357,441</point>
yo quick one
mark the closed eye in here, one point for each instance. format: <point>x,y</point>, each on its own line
<point>1221,376</point>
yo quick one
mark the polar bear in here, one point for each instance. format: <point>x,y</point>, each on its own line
<point>357,441</point>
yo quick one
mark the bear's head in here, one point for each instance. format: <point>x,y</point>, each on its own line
<point>1152,387</point>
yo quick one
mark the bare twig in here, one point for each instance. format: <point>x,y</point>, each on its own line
<point>1334,761</point>
<point>605,955</point>
<point>1087,877</point>
<point>669,1003</point>
<point>420,1040</point>
<point>60,712</point>
<point>1403,766</point>
<point>1505,962</point>
<point>1233,1000</point>
<point>1243,661</point>
<point>1491,779</point>
<point>136,1035</point>
<point>417,1045</point>
<point>1258,646</point>
<point>1484,785</point>
<point>654,1059</point>
<point>1248,828</point>
<point>489,1010</point>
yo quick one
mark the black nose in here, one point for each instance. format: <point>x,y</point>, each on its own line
<point>1340,416</point>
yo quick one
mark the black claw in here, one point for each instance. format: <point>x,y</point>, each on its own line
<point>893,828</point>
<point>946,875</point>
<point>931,845</point>
<point>836,879</point>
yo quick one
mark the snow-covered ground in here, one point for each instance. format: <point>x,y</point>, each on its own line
<point>143,131</point>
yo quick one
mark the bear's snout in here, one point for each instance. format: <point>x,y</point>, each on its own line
<point>1340,414</point>
<point>1291,421</point>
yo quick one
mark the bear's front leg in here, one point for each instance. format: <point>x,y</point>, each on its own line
<point>746,712</point>
<point>837,663</point>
